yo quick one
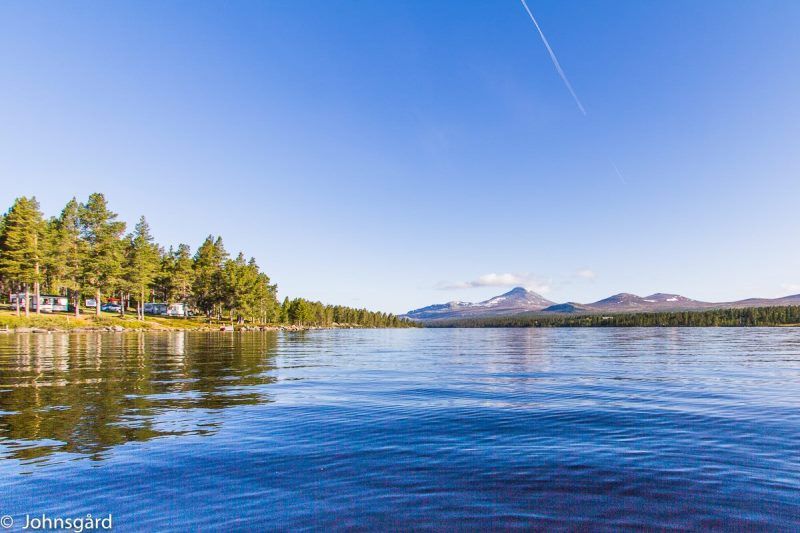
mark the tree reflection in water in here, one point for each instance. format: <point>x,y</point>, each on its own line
<point>85,393</point>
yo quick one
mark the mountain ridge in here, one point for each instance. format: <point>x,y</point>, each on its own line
<point>520,300</point>
<point>517,300</point>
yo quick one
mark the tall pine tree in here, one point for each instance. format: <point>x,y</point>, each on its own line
<point>67,251</point>
<point>102,265</point>
<point>208,284</point>
<point>181,276</point>
<point>23,249</point>
<point>143,263</point>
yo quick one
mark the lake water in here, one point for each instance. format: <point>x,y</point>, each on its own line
<point>599,429</point>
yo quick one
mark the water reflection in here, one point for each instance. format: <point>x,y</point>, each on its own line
<point>85,393</point>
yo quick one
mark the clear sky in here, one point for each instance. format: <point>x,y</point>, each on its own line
<point>397,154</point>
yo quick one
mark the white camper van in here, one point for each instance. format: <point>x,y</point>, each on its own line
<point>47,303</point>
<point>153,308</point>
<point>177,309</point>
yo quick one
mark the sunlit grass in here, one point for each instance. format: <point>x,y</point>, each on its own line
<point>9,319</point>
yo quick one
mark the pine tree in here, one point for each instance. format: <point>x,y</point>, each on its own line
<point>161,283</point>
<point>300,312</point>
<point>67,251</point>
<point>247,291</point>
<point>207,286</point>
<point>265,297</point>
<point>143,263</point>
<point>102,265</point>
<point>23,248</point>
<point>234,286</point>
<point>283,317</point>
<point>182,275</point>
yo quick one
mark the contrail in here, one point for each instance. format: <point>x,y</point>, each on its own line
<point>564,78</point>
<point>554,59</point>
<point>619,174</point>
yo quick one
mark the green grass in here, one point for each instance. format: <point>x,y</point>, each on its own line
<point>9,319</point>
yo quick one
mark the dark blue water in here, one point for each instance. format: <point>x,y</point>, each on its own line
<point>600,429</point>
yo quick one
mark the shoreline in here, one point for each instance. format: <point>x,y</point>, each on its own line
<point>208,329</point>
<point>46,322</point>
<point>11,325</point>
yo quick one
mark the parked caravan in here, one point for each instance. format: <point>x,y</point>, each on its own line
<point>177,309</point>
<point>48,303</point>
<point>152,308</point>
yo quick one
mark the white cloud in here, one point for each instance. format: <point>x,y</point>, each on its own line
<point>791,287</point>
<point>499,280</point>
<point>585,273</point>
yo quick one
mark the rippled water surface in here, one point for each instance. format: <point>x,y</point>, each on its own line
<point>428,429</point>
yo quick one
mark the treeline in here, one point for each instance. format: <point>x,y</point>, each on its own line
<point>750,316</point>
<point>84,252</point>
<point>304,312</point>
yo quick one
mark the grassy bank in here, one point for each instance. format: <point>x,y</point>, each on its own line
<point>9,321</point>
<point>63,321</point>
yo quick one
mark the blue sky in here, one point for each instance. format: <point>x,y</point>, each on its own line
<point>396,154</point>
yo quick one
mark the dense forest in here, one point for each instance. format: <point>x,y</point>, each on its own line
<point>751,316</point>
<point>84,252</point>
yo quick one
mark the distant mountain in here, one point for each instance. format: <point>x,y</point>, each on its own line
<point>448,310</point>
<point>794,299</point>
<point>515,301</point>
<point>622,300</point>
<point>625,302</point>
<point>569,307</point>
<point>520,300</point>
<point>517,298</point>
<point>660,297</point>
